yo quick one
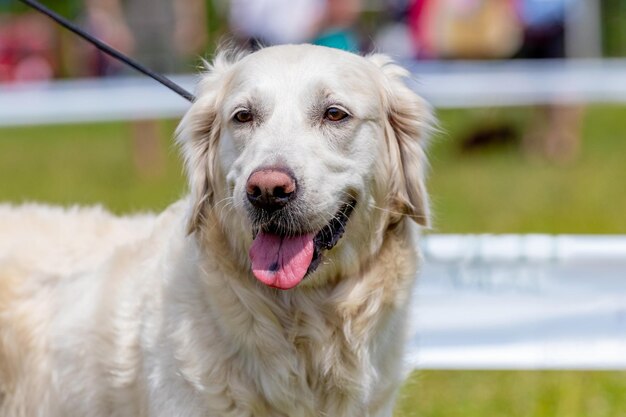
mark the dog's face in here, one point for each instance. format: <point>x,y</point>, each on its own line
<point>304,155</point>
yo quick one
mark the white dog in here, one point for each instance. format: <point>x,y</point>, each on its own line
<point>278,287</point>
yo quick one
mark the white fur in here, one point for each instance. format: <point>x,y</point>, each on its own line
<point>161,316</point>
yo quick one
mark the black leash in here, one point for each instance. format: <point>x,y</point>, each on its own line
<point>109,50</point>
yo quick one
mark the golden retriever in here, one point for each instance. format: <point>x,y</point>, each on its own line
<point>278,287</point>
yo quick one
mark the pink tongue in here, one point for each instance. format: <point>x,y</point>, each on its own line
<point>281,262</point>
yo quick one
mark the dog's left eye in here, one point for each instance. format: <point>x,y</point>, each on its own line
<point>243,116</point>
<point>335,114</point>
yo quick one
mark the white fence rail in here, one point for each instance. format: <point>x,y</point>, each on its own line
<point>90,100</point>
<point>521,302</point>
<point>444,84</point>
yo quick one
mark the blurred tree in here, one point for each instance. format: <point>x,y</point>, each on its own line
<point>217,23</point>
<point>614,27</point>
<point>68,8</point>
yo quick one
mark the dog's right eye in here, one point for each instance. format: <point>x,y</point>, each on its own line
<point>335,114</point>
<point>243,116</point>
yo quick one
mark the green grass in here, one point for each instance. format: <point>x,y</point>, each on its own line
<point>513,394</point>
<point>498,190</point>
<point>86,164</point>
<point>502,191</point>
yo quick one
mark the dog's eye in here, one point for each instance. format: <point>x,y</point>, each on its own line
<point>335,114</point>
<point>243,116</point>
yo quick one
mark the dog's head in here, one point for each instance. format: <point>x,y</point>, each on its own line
<point>304,156</point>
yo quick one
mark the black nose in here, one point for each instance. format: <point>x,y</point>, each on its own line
<point>270,188</point>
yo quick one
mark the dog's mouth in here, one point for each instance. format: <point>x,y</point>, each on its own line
<point>282,260</point>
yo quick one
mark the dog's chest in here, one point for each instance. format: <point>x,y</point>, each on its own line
<point>316,371</point>
<point>297,363</point>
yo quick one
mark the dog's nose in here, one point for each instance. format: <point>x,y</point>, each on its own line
<point>270,188</point>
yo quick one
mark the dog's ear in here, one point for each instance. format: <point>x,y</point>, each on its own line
<point>409,122</point>
<point>198,135</point>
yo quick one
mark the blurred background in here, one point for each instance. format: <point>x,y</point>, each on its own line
<point>530,94</point>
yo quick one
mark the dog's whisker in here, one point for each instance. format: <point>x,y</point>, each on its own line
<point>385,210</point>
<point>229,206</point>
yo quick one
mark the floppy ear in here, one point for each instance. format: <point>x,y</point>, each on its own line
<point>409,123</point>
<point>198,135</point>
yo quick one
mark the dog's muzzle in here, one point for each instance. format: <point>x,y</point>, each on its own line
<point>282,260</point>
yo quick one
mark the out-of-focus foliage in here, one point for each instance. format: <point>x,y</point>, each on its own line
<point>614,27</point>
<point>513,394</point>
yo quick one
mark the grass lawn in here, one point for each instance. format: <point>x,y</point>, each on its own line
<point>513,394</point>
<point>86,164</point>
<point>501,191</point>
<point>495,191</point>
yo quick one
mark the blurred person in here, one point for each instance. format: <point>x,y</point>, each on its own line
<point>544,28</point>
<point>394,37</point>
<point>191,32</point>
<point>105,20</point>
<point>37,46</point>
<point>337,29</point>
<point>27,44</point>
<point>167,32</point>
<point>161,34</point>
<point>272,22</point>
<point>502,29</point>
<point>556,133</point>
<point>468,29</point>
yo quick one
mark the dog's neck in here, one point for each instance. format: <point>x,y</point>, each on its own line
<point>351,304</point>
